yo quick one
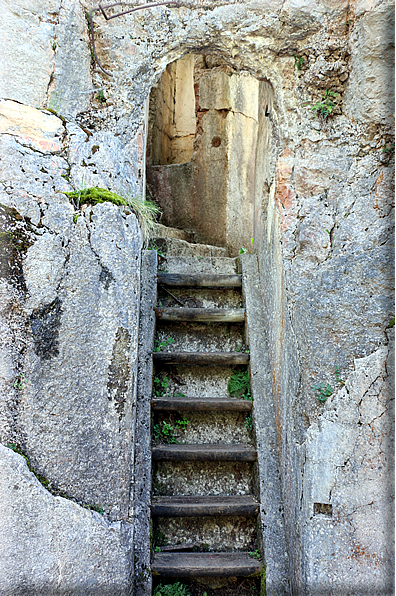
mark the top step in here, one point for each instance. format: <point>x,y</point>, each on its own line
<point>212,265</point>
<point>199,280</point>
<point>180,248</point>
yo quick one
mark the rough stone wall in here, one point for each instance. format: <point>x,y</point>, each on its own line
<point>323,234</point>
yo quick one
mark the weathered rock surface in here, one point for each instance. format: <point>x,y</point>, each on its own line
<point>50,545</point>
<point>323,231</point>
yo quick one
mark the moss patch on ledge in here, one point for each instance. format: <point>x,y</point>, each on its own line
<point>145,211</point>
<point>95,195</point>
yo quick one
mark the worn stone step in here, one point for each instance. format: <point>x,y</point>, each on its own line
<point>215,265</point>
<point>161,231</point>
<point>201,404</point>
<point>210,315</point>
<point>205,565</point>
<point>180,248</point>
<point>197,506</point>
<point>199,280</point>
<point>204,452</point>
<point>202,478</point>
<point>211,358</point>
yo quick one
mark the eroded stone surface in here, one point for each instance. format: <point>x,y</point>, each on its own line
<point>43,538</point>
<point>323,229</point>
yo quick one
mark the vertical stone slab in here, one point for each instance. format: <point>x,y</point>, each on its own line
<point>142,481</point>
<point>271,508</point>
<point>76,415</point>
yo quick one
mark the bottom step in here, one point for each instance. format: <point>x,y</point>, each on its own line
<point>205,565</point>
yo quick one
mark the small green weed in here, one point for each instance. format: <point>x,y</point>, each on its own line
<point>322,391</point>
<point>164,432</point>
<point>337,376</point>
<point>163,344</point>
<point>183,423</point>
<point>243,250</point>
<point>21,381</point>
<point>391,323</point>
<point>153,246</point>
<point>298,61</point>
<point>255,554</point>
<point>389,148</point>
<point>160,386</point>
<point>249,423</point>
<point>176,589</point>
<point>101,96</point>
<point>239,385</point>
<point>325,107</point>
<point>179,394</point>
<point>157,549</point>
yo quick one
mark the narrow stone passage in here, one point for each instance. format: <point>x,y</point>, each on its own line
<point>205,503</point>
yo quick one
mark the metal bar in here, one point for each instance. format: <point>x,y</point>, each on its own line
<point>170,294</point>
<point>93,43</point>
<point>101,8</point>
<point>139,7</point>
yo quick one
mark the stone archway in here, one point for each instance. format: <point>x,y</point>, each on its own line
<point>207,145</point>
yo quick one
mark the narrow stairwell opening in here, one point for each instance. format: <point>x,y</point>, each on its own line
<point>214,499</point>
<point>207,150</point>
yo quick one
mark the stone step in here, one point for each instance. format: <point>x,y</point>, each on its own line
<point>215,265</point>
<point>172,247</point>
<point>201,404</point>
<point>205,565</point>
<point>201,358</point>
<point>204,452</point>
<point>199,280</point>
<point>167,232</point>
<point>213,315</point>
<point>204,506</point>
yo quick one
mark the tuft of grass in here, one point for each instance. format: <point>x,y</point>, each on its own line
<point>182,423</point>
<point>337,376</point>
<point>175,589</point>
<point>324,108</point>
<point>249,423</point>
<point>145,211</point>
<point>255,554</point>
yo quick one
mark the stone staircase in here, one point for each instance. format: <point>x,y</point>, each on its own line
<point>205,500</point>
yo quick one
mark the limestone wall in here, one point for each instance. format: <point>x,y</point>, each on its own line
<point>323,231</point>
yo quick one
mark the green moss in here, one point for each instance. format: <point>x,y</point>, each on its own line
<point>391,323</point>
<point>93,196</point>
<point>18,450</point>
<point>46,483</point>
<point>263,590</point>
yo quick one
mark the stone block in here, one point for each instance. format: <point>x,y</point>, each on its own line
<point>50,545</point>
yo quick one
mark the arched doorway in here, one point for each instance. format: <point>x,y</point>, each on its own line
<point>208,141</point>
